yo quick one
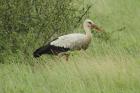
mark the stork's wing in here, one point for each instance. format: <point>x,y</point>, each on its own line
<point>72,41</point>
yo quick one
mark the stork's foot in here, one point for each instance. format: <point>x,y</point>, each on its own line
<point>64,54</point>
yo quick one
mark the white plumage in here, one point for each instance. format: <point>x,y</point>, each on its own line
<point>75,41</point>
<point>72,41</point>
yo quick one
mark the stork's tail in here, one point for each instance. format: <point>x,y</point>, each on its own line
<point>38,52</point>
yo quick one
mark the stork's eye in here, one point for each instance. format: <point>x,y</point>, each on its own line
<point>89,22</point>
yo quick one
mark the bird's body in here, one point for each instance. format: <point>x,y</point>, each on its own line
<point>65,43</point>
<point>69,42</point>
<point>74,41</point>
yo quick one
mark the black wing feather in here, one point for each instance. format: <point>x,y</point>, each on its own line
<point>49,49</point>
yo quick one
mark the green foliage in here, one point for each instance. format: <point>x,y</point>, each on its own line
<point>28,24</point>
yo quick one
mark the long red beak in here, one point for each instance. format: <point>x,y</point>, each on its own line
<point>97,28</point>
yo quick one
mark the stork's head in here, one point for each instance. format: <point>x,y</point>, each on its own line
<point>89,24</point>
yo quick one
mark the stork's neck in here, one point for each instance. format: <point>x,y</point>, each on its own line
<point>88,32</point>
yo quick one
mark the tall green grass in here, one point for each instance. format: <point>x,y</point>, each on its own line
<point>111,66</point>
<point>80,75</point>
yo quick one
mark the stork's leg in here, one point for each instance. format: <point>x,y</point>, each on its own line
<point>64,54</point>
<point>67,56</point>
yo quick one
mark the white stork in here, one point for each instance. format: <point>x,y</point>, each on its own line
<point>69,42</point>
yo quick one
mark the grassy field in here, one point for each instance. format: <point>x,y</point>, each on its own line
<point>111,66</point>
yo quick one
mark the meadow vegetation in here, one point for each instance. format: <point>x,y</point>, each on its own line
<point>111,64</point>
